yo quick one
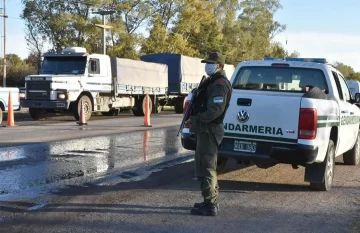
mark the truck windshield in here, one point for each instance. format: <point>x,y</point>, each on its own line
<point>63,65</point>
<point>289,79</point>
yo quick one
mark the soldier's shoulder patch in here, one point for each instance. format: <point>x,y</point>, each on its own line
<point>218,99</point>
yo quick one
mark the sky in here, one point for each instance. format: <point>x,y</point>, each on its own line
<point>322,28</point>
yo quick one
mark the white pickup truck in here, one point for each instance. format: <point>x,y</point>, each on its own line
<point>4,97</point>
<point>271,119</point>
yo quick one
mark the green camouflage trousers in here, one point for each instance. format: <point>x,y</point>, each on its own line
<point>207,145</point>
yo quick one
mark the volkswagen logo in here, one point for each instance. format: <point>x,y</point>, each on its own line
<point>243,116</point>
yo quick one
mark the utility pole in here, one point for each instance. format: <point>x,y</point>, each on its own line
<point>104,27</point>
<point>4,65</point>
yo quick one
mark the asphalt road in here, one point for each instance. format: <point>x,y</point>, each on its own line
<point>22,118</point>
<point>252,199</point>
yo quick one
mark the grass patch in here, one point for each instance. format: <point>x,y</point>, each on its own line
<point>168,108</point>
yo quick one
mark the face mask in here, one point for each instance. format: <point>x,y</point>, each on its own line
<point>210,69</point>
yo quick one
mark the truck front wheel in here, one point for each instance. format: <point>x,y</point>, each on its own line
<point>87,108</point>
<point>1,115</point>
<point>38,114</point>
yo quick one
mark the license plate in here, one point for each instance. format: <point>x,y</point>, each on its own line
<point>60,105</point>
<point>245,146</point>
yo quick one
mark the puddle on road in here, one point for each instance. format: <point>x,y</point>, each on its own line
<point>47,166</point>
<point>11,154</point>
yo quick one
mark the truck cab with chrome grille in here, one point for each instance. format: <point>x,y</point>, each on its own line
<point>99,83</point>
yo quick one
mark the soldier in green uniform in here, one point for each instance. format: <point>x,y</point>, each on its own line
<point>207,117</point>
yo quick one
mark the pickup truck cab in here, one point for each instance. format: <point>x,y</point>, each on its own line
<point>4,98</point>
<point>272,119</point>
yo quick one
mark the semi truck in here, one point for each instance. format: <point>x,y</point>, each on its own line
<point>102,83</point>
<point>184,74</point>
<point>108,84</point>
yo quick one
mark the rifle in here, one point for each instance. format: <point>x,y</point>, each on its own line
<point>191,103</point>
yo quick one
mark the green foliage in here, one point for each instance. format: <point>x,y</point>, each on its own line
<point>278,50</point>
<point>17,70</point>
<point>347,71</point>
<point>239,29</point>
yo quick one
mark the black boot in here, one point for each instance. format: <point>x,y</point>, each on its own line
<point>206,209</point>
<point>198,205</point>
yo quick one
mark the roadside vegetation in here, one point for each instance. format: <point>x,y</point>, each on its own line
<point>242,30</point>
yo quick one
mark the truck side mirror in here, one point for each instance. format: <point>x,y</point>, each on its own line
<point>357,98</point>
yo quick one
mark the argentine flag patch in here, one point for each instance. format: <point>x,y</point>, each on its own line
<point>218,99</point>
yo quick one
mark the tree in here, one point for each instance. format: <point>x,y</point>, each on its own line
<point>61,23</point>
<point>258,27</point>
<point>17,70</point>
<point>158,41</point>
<point>238,29</point>
<point>278,50</point>
<point>346,70</point>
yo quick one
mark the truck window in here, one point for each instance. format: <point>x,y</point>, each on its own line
<point>289,79</point>
<point>344,88</point>
<point>338,86</point>
<point>63,65</point>
<point>94,66</point>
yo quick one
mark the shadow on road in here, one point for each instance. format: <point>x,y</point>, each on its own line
<point>168,179</point>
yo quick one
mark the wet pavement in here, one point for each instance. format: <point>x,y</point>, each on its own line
<point>32,171</point>
<point>46,132</point>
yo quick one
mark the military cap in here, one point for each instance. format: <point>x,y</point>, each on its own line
<point>214,57</point>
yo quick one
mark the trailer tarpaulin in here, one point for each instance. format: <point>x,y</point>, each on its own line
<point>139,73</point>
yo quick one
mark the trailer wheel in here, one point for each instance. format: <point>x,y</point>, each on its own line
<point>38,114</point>
<point>179,105</point>
<point>87,108</point>
<point>137,109</point>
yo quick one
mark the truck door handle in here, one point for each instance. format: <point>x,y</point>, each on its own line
<point>351,113</point>
<point>244,102</point>
<point>344,111</point>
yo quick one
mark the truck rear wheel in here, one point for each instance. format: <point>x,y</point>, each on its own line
<point>352,157</point>
<point>328,167</point>
<point>179,105</point>
<point>137,109</point>
<point>38,114</point>
<point>87,108</point>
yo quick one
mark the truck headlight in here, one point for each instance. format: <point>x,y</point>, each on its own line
<point>61,96</point>
<point>22,95</point>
